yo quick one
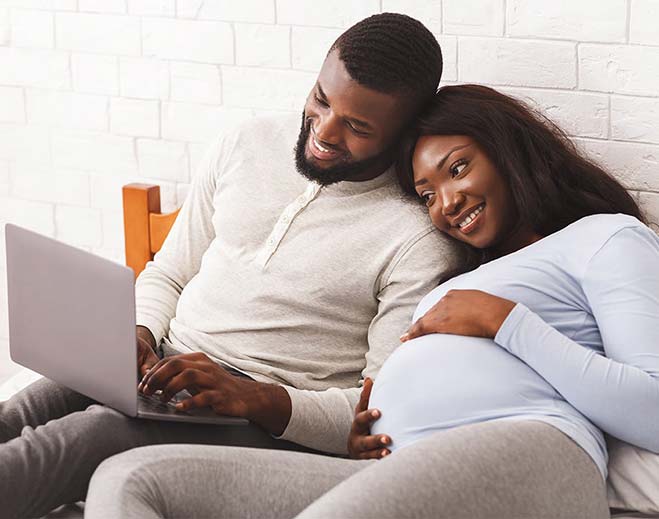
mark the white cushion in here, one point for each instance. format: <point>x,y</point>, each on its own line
<point>20,380</point>
<point>633,482</point>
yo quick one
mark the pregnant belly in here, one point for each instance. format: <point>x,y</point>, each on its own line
<point>440,381</point>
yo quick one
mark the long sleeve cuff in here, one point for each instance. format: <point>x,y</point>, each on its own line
<point>511,329</point>
<point>321,420</point>
<point>153,324</point>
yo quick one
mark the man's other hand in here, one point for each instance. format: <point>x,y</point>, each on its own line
<point>146,354</point>
<point>362,444</point>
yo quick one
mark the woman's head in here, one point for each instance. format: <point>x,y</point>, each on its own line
<point>477,150</point>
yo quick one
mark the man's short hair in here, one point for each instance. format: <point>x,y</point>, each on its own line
<point>393,54</point>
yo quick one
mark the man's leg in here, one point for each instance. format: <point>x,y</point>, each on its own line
<point>220,482</point>
<point>49,465</point>
<point>37,404</point>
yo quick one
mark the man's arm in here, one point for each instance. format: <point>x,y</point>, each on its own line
<point>160,284</point>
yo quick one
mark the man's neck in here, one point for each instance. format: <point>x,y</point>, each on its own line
<point>371,173</point>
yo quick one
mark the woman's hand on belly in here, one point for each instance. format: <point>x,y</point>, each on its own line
<point>361,443</point>
<point>463,312</point>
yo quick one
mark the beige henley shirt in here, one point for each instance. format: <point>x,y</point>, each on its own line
<point>292,283</point>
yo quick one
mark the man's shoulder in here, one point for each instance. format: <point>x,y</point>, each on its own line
<point>412,230</point>
<point>263,137</point>
<point>407,215</point>
<point>262,129</point>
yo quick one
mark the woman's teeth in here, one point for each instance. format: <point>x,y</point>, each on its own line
<point>471,216</point>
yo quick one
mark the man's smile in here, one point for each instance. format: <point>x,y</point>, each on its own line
<point>319,151</point>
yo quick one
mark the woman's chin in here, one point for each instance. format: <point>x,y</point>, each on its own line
<point>478,240</point>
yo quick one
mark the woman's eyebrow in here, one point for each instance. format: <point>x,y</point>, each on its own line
<point>440,164</point>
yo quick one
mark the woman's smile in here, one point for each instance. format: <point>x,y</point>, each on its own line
<point>472,221</point>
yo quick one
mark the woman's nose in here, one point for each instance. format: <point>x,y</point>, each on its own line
<point>451,201</point>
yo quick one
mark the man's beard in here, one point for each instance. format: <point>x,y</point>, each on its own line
<point>345,169</point>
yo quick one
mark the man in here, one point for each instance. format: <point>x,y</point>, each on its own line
<point>276,290</point>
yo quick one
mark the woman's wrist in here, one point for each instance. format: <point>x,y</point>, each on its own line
<point>499,315</point>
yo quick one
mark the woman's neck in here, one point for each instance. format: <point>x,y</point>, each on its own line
<point>518,239</point>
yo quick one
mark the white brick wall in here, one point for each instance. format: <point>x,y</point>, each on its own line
<point>98,93</point>
<point>582,20</point>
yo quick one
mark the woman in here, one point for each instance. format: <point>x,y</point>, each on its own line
<point>497,403</point>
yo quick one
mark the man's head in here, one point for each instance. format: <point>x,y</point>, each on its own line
<point>376,77</point>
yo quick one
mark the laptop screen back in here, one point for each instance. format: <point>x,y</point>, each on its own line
<point>72,317</point>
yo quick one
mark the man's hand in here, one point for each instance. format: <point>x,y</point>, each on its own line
<point>361,443</point>
<point>211,385</point>
<point>463,312</point>
<point>267,405</point>
<point>146,355</point>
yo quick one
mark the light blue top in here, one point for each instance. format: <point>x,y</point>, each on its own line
<point>579,351</point>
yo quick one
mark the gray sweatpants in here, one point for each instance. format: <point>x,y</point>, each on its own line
<point>52,439</point>
<point>498,469</point>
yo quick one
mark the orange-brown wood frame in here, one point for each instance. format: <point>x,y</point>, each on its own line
<point>145,227</point>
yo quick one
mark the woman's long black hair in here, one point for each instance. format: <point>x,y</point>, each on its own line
<point>552,184</point>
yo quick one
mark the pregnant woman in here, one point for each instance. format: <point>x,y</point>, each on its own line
<point>496,404</point>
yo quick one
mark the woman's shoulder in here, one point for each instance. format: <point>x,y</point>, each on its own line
<point>612,222</point>
<point>597,229</point>
<point>612,236</point>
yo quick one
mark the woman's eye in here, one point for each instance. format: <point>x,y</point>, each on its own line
<point>427,196</point>
<point>458,167</point>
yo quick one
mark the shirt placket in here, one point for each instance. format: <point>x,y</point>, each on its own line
<point>284,222</point>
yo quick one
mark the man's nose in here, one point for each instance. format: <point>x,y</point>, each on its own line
<point>327,129</point>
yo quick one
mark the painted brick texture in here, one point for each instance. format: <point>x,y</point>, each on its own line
<point>98,93</point>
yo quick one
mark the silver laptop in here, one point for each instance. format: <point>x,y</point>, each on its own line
<point>72,319</point>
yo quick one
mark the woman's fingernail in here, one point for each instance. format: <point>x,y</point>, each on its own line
<point>384,441</point>
<point>384,453</point>
<point>375,413</point>
<point>404,337</point>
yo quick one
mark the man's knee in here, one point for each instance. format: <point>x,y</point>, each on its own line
<point>106,415</point>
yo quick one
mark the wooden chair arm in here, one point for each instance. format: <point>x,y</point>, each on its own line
<point>145,228</point>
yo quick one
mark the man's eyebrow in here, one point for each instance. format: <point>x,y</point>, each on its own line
<point>321,93</point>
<point>352,120</point>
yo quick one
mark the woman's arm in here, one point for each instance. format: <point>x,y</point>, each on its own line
<point>620,392</point>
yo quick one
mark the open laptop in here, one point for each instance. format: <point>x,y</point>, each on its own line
<point>72,319</point>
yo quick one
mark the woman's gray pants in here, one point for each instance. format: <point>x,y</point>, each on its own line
<point>497,469</point>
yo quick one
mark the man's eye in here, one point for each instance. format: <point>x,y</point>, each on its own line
<point>320,101</point>
<point>458,167</point>
<point>356,130</point>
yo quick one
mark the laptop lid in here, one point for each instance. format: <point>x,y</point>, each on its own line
<point>72,317</point>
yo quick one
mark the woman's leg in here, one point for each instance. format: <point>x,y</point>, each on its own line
<point>202,481</point>
<point>488,470</point>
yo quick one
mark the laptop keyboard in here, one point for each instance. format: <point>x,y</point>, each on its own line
<point>153,403</point>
